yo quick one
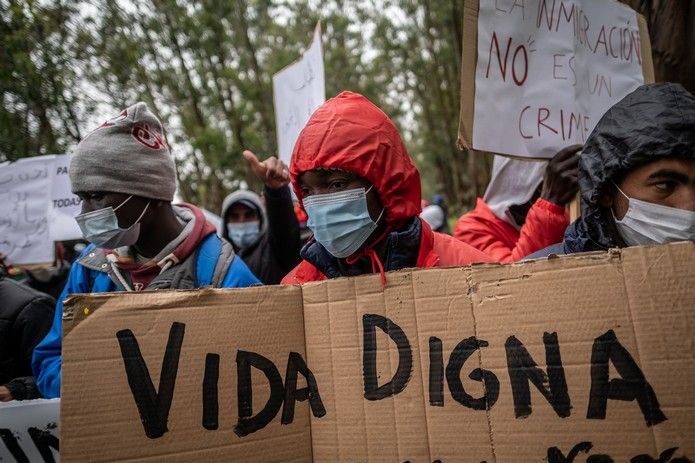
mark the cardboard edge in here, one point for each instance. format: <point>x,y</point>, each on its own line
<point>645,49</point>
<point>71,316</point>
<point>469,58</point>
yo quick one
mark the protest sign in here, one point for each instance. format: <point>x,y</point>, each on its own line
<point>29,431</point>
<point>64,204</point>
<point>537,75</point>
<point>297,91</point>
<point>25,193</point>
<point>579,358</point>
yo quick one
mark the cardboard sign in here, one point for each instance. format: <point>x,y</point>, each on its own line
<point>29,431</point>
<point>25,192</point>
<point>580,358</point>
<point>537,75</point>
<point>297,91</point>
<point>64,204</point>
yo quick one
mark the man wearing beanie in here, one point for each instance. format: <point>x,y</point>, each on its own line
<point>125,176</point>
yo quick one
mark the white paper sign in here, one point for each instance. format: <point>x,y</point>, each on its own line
<point>29,431</point>
<point>25,192</point>
<point>547,71</point>
<point>297,91</point>
<point>64,205</point>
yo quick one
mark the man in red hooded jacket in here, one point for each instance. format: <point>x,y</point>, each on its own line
<point>524,206</point>
<point>361,192</point>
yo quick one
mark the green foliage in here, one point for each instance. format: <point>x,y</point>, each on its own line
<point>206,68</point>
<point>41,108</point>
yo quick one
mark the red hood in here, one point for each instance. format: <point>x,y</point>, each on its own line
<point>349,132</point>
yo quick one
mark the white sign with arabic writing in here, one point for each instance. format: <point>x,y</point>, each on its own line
<point>297,91</point>
<point>25,192</point>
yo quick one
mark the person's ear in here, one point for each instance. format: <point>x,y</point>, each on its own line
<point>606,200</point>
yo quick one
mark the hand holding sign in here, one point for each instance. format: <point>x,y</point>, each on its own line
<point>273,172</point>
<point>560,180</point>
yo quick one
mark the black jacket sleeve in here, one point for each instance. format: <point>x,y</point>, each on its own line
<point>31,325</point>
<point>283,228</point>
<point>23,388</point>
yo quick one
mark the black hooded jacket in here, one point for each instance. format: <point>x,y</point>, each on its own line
<point>653,122</point>
<point>26,316</point>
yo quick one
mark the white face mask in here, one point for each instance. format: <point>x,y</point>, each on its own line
<point>649,223</point>
<point>101,227</point>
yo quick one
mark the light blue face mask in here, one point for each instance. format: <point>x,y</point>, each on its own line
<point>244,234</point>
<point>340,221</point>
<point>101,227</point>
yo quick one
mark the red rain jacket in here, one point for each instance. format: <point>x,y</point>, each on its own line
<point>481,228</point>
<point>348,132</point>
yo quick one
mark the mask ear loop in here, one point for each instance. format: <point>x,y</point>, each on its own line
<point>124,201</point>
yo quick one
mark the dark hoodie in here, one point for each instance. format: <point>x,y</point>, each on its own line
<point>276,251</point>
<point>653,122</point>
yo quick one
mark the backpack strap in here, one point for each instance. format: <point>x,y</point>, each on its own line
<point>214,258</point>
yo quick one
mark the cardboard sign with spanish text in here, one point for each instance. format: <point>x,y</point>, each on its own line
<point>537,75</point>
<point>580,358</point>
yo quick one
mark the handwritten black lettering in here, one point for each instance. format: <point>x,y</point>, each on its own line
<point>210,392</point>
<point>372,390</point>
<point>152,405</point>
<point>491,384</point>
<point>44,441</point>
<point>522,369</point>
<point>631,386</point>
<point>12,444</point>
<point>295,363</point>
<point>436,373</point>
<point>247,423</point>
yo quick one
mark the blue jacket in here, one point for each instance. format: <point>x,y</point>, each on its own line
<point>46,361</point>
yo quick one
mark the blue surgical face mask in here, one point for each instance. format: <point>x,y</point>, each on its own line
<point>101,227</point>
<point>244,234</point>
<point>340,221</point>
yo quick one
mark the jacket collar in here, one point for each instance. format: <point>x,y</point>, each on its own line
<point>403,250</point>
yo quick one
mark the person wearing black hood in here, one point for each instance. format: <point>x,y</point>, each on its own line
<point>266,236</point>
<point>26,316</point>
<point>637,174</point>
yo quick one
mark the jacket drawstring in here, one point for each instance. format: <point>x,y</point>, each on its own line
<point>163,264</point>
<point>113,259</point>
<point>374,259</point>
<point>167,262</point>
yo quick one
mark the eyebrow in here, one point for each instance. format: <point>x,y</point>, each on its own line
<point>669,174</point>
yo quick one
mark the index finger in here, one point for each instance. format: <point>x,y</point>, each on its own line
<point>250,157</point>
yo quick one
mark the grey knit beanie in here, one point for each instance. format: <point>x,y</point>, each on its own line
<point>126,154</point>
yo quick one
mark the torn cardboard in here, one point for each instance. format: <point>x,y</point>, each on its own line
<point>585,356</point>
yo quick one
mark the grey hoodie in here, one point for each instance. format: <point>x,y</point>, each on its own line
<point>276,251</point>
